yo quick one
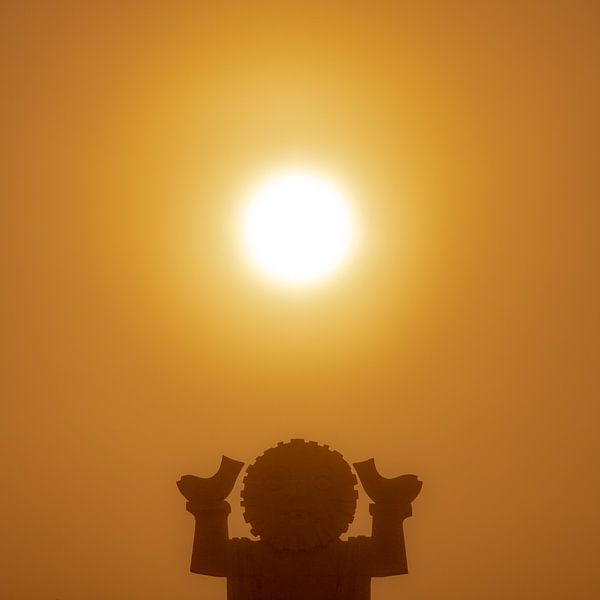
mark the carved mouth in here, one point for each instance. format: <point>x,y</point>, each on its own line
<point>298,509</point>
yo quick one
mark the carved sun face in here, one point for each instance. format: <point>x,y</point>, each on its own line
<point>299,495</point>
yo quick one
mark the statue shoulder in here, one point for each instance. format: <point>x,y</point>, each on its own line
<point>359,546</point>
<point>359,540</point>
<point>242,556</point>
<point>242,542</point>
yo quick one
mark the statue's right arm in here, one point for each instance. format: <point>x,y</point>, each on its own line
<point>387,540</point>
<point>211,537</point>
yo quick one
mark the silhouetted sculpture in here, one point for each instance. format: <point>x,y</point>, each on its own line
<point>299,497</point>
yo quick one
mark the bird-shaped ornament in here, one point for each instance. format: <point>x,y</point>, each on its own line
<point>396,490</point>
<point>206,490</point>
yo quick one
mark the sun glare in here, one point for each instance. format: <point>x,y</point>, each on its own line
<point>298,228</point>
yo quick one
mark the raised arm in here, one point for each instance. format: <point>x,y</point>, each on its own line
<point>209,552</point>
<point>388,548</point>
<point>392,504</point>
<point>206,501</point>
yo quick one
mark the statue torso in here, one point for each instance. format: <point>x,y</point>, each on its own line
<point>333,572</point>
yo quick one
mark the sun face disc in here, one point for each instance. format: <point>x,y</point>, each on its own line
<point>299,495</point>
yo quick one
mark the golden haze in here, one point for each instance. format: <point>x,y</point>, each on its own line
<point>460,345</point>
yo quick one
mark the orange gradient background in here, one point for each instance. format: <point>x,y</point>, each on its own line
<point>460,344</point>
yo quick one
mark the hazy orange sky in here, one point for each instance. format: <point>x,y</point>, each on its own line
<point>461,344</point>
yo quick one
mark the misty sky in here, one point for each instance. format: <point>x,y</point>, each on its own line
<point>461,344</point>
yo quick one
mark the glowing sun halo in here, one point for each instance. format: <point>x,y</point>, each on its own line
<point>297,228</point>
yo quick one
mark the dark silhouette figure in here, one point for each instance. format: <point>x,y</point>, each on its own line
<point>298,498</point>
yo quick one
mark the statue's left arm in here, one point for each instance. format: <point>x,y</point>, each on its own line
<point>211,538</point>
<point>391,505</point>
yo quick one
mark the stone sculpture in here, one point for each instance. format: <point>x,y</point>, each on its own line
<point>299,498</point>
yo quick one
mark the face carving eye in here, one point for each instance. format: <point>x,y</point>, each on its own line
<point>276,478</point>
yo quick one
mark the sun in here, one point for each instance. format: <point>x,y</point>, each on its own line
<point>298,227</point>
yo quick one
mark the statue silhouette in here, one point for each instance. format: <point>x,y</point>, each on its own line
<point>298,498</point>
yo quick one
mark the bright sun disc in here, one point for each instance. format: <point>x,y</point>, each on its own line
<point>297,228</point>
